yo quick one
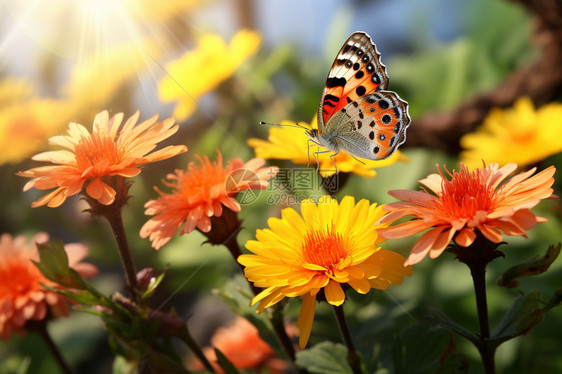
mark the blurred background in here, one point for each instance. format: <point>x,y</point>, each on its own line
<point>219,67</point>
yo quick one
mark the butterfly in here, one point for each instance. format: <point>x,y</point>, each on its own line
<point>356,113</point>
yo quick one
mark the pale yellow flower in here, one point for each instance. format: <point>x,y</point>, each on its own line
<point>14,90</point>
<point>292,143</point>
<point>96,80</point>
<point>204,68</point>
<point>522,134</point>
<point>26,126</point>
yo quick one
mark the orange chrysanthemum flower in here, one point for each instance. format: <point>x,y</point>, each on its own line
<point>330,248</point>
<point>199,194</point>
<point>91,158</point>
<point>241,343</point>
<point>467,202</point>
<point>22,297</point>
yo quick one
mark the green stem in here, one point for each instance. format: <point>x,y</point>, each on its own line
<point>116,222</point>
<point>478,271</point>
<point>277,317</point>
<point>352,357</point>
<point>41,329</point>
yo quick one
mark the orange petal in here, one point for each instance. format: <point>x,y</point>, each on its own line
<point>306,317</point>
<point>334,293</point>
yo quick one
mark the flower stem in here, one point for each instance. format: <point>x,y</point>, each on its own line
<point>116,222</point>
<point>192,344</point>
<point>352,357</point>
<point>276,317</point>
<point>41,329</point>
<point>234,249</point>
<point>478,272</point>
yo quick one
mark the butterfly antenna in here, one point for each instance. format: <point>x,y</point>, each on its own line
<point>297,125</point>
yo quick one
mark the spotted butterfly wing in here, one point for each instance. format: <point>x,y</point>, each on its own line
<point>356,71</point>
<point>371,127</point>
<point>356,113</point>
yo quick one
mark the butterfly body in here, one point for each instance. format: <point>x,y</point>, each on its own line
<point>356,113</point>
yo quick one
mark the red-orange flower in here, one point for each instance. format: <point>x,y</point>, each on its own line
<point>22,297</point>
<point>240,342</point>
<point>91,158</point>
<point>466,202</point>
<point>199,194</point>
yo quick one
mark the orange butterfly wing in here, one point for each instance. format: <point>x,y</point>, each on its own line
<point>356,71</point>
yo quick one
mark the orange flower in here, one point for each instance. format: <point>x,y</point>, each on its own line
<point>22,297</point>
<point>240,342</point>
<point>199,194</point>
<point>468,201</point>
<point>90,159</point>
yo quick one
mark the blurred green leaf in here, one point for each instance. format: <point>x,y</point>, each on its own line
<point>225,363</point>
<point>325,358</point>
<point>421,348</point>
<point>441,319</point>
<point>53,264</point>
<point>524,315</point>
<point>534,266</point>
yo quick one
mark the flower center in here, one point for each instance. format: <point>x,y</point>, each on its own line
<point>200,180</point>
<point>465,194</point>
<point>324,247</point>
<point>95,149</point>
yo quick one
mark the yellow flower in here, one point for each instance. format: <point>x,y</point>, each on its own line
<point>25,127</point>
<point>13,90</point>
<point>522,134</point>
<point>291,143</point>
<point>97,79</point>
<point>201,70</point>
<point>331,247</point>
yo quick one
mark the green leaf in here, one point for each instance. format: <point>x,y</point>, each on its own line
<point>420,349</point>
<point>555,300</point>
<point>441,319</point>
<point>534,266</point>
<point>325,358</point>
<point>53,264</point>
<point>524,315</point>
<point>225,363</point>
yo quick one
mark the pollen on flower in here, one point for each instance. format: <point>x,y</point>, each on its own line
<point>464,195</point>
<point>96,148</point>
<point>324,248</point>
<point>482,201</point>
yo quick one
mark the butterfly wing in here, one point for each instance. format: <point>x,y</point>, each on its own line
<point>371,127</point>
<point>356,71</point>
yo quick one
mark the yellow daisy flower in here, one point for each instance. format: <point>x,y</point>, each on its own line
<point>97,79</point>
<point>14,90</point>
<point>291,143</point>
<point>203,69</point>
<point>522,134</point>
<point>330,248</point>
<point>25,127</point>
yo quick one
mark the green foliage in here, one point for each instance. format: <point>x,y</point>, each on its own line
<point>536,265</point>
<point>324,358</point>
<point>423,348</point>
